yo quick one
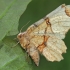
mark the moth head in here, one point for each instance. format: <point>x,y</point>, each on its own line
<point>23,39</point>
<point>20,36</point>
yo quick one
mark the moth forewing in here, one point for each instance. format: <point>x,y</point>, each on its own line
<point>60,20</point>
<point>45,36</point>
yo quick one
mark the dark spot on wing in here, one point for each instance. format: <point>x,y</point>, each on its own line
<point>35,25</point>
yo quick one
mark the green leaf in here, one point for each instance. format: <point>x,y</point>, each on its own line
<point>10,12</point>
<point>12,58</point>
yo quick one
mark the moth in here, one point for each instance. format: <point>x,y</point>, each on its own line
<point>45,36</point>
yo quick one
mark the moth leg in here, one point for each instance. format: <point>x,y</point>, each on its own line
<point>33,52</point>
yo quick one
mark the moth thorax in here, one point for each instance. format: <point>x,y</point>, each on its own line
<point>23,39</point>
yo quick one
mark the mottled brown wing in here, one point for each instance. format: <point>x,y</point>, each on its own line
<point>59,21</point>
<point>50,46</point>
<point>54,49</point>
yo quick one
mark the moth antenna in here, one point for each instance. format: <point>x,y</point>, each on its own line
<point>24,26</point>
<point>16,44</point>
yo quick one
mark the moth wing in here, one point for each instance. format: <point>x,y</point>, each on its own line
<point>54,49</point>
<point>36,27</point>
<point>60,21</point>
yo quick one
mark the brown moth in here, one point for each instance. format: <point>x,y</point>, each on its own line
<point>45,36</point>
